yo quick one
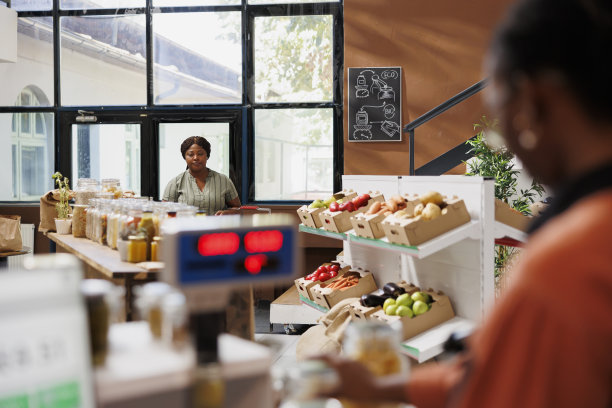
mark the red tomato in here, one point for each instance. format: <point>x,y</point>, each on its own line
<point>333,274</point>
<point>334,206</point>
<point>324,276</point>
<point>334,267</point>
<point>321,269</point>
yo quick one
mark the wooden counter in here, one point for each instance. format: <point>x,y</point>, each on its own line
<point>102,262</point>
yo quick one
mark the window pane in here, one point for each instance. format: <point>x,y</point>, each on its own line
<point>171,135</point>
<point>98,4</point>
<point>293,154</point>
<point>107,151</point>
<point>103,60</point>
<point>179,3</point>
<point>32,5</point>
<point>25,124</point>
<point>207,65</point>
<point>293,59</point>
<point>34,66</point>
<point>290,1</point>
<point>27,162</point>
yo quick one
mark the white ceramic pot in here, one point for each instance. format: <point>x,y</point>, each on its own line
<point>63,226</point>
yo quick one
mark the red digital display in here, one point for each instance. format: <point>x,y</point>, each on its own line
<point>224,243</point>
<point>253,263</point>
<point>263,241</point>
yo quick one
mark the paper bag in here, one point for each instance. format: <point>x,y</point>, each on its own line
<point>48,212</point>
<point>10,233</point>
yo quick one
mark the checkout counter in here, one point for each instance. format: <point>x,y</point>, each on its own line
<point>45,333</point>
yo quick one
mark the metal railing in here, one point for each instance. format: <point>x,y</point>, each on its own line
<point>443,107</point>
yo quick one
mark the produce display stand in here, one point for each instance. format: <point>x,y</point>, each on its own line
<point>459,263</point>
<point>141,372</point>
<point>102,262</point>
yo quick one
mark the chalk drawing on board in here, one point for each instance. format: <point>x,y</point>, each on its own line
<point>375,104</point>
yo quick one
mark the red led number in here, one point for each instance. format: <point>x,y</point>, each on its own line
<point>263,241</point>
<point>225,243</point>
<point>253,263</point>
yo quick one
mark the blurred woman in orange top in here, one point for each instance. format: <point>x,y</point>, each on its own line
<point>548,342</point>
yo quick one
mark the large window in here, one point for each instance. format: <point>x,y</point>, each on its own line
<point>261,79</point>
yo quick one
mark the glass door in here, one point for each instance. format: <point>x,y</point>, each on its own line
<point>102,146</point>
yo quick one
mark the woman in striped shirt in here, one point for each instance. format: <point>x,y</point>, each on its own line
<point>200,186</point>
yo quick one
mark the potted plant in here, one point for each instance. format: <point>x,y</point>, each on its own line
<point>493,159</point>
<point>62,222</point>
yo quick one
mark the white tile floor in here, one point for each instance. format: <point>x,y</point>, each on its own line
<point>282,345</point>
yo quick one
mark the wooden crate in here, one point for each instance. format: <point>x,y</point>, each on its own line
<point>310,216</point>
<point>340,221</point>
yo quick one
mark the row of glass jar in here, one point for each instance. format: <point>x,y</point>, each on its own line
<point>88,188</point>
<point>130,225</point>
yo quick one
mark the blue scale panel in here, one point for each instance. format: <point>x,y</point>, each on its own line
<point>222,256</point>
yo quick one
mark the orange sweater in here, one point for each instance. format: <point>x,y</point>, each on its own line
<point>548,342</point>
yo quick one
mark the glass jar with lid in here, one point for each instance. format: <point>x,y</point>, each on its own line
<point>377,346</point>
<point>86,189</point>
<point>79,220</point>
<point>89,218</point>
<point>102,225</point>
<point>175,316</point>
<point>112,229</point>
<point>112,185</point>
<point>148,302</point>
<point>147,226</point>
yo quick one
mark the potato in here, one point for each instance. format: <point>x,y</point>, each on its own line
<point>431,211</point>
<point>431,197</point>
<point>418,209</point>
<point>401,214</point>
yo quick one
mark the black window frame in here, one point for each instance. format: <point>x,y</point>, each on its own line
<point>240,116</point>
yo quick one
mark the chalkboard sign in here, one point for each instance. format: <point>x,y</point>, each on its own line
<point>374,104</point>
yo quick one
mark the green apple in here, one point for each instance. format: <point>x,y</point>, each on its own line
<point>388,302</point>
<point>316,204</point>
<point>329,201</point>
<point>422,296</point>
<point>419,307</point>
<point>404,300</point>
<point>391,310</point>
<point>404,311</point>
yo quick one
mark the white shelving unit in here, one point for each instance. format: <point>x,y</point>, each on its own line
<point>460,262</point>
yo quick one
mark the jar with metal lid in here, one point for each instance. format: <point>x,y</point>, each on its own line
<point>112,229</point>
<point>137,249</point>
<point>377,346</point>
<point>301,385</point>
<point>149,304</point>
<point>112,185</point>
<point>175,330</point>
<point>86,189</point>
<point>155,248</point>
<point>79,220</point>
<point>103,301</point>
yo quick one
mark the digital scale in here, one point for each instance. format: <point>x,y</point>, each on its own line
<point>209,257</point>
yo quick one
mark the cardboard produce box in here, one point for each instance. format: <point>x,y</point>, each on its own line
<point>414,231</point>
<point>368,225</point>
<point>509,216</point>
<point>441,311</point>
<point>360,312</point>
<point>310,216</point>
<point>304,286</point>
<point>328,298</point>
<point>340,221</point>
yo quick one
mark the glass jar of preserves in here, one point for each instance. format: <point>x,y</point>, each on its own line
<point>112,185</point>
<point>175,330</point>
<point>377,346</point>
<point>137,249</point>
<point>147,226</point>
<point>103,301</point>
<point>149,304</point>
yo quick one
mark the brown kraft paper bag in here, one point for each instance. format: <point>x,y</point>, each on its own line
<point>48,213</point>
<point>10,233</point>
